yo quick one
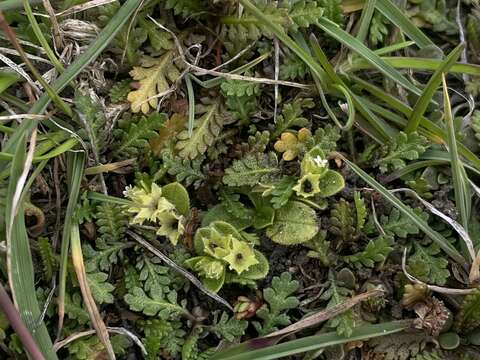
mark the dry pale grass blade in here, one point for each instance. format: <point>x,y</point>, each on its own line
<point>83,7</point>
<point>435,288</point>
<point>454,224</point>
<point>23,116</point>
<point>89,302</point>
<point>326,314</point>
<point>110,167</point>
<point>114,330</point>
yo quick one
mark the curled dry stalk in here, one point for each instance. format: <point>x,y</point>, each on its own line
<point>95,317</point>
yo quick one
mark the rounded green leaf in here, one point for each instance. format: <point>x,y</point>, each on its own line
<point>295,223</point>
<point>258,271</point>
<point>449,341</point>
<point>213,285</point>
<point>178,196</point>
<point>331,183</point>
<point>220,213</point>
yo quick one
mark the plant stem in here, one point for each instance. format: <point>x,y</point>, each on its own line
<point>18,326</point>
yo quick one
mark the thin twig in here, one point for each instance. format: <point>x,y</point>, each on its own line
<point>326,314</point>
<point>18,326</point>
<point>57,35</point>
<point>178,269</point>
<point>197,70</point>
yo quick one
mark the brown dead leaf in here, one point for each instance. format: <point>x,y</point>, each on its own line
<point>170,129</point>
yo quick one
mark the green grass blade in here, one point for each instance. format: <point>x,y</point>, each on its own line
<point>434,132</point>
<point>365,19</point>
<point>93,51</point>
<point>432,85</point>
<point>408,212</point>
<point>191,104</point>
<point>110,199</point>
<point>414,64</point>
<point>459,177</point>
<point>15,4</point>
<point>75,167</point>
<point>384,131</point>
<point>19,258</point>
<point>397,16</point>
<point>41,38</point>
<point>395,47</point>
<point>376,61</point>
<point>246,351</point>
<point>283,37</point>
<point>7,79</point>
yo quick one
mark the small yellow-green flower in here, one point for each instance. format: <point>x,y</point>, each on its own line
<point>217,244</point>
<point>149,204</point>
<point>308,185</point>
<point>208,267</point>
<point>172,225</point>
<point>241,256</point>
<point>292,145</point>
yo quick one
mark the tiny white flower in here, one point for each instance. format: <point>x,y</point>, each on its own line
<point>319,161</point>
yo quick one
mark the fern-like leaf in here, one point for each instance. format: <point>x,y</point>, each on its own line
<point>111,222</point>
<point>468,318</point>
<point>303,13</point>
<point>361,210</point>
<point>400,225</point>
<point>401,148</point>
<point>252,169</point>
<point>292,115</point>
<point>162,336</point>
<point>205,131</point>
<point>159,304</point>
<point>93,120</point>
<point>185,171</point>
<point>342,222</point>
<point>119,91</point>
<point>185,8</point>
<point>233,205</point>
<point>99,286</point>
<point>336,294</point>
<point>155,277</point>
<point>105,255</point>
<point>292,67</point>
<point>279,299</point>
<point>74,309</point>
<point>376,251</point>
<point>154,77</point>
<point>228,328</point>
<point>134,133</point>
<point>49,263</point>
<point>426,266</point>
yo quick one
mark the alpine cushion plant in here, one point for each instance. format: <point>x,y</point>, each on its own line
<point>203,179</point>
<point>224,255</point>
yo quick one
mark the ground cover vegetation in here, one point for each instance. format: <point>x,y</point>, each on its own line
<point>251,179</point>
